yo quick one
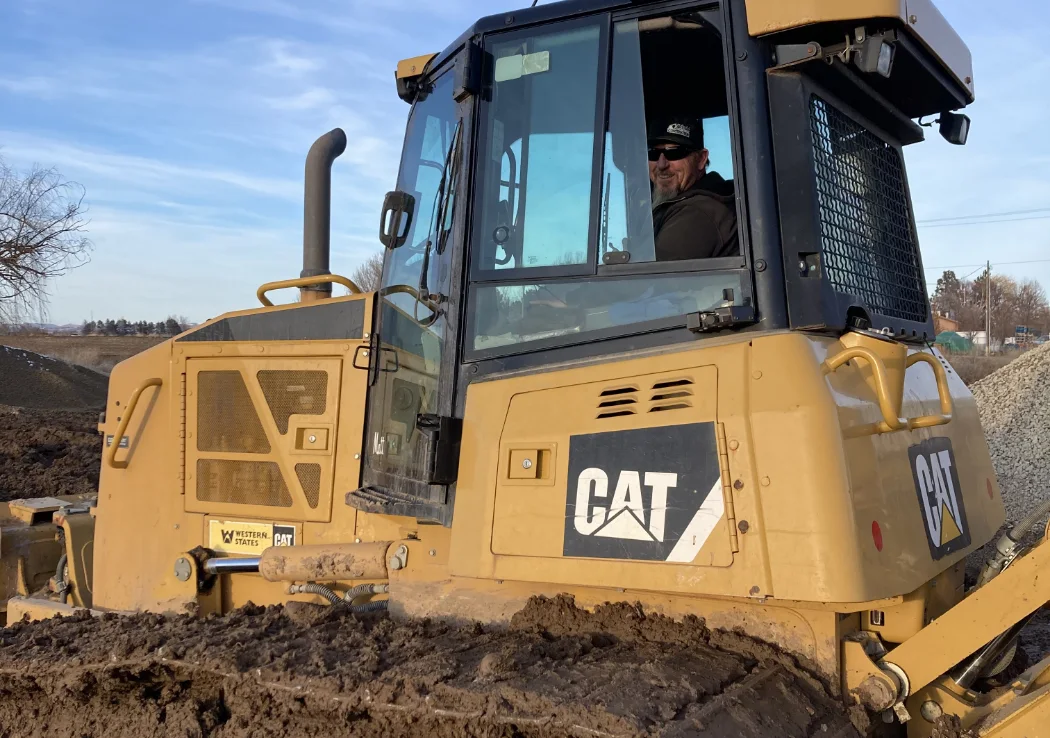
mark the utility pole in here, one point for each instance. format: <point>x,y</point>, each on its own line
<point>988,309</point>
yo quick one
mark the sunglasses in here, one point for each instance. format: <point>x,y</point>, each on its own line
<point>669,154</point>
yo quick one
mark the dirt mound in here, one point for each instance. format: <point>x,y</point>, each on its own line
<point>36,381</point>
<point>45,453</point>
<point>305,670</point>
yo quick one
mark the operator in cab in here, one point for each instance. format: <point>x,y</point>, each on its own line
<point>694,213</point>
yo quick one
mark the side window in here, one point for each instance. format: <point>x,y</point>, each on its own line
<point>535,204</point>
<point>667,177</point>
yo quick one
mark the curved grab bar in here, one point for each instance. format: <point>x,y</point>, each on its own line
<point>404,289</point>
<point>943,392</point>
<point>305,282</point>
<point>111,452</point>
<point>890,420</point>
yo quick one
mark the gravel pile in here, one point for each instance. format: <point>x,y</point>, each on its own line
<point>1014,403</point>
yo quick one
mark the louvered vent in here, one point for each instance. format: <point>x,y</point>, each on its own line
<point>672,394</point>
<point>615,402</point>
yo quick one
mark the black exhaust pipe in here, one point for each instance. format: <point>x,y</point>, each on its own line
<point>317,209</point>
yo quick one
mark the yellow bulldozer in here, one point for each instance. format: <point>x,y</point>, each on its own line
<point>558,389</point>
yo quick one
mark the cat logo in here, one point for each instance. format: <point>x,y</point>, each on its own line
<point>625,517</point>
<point>651,494</point>
<point>940,496</point>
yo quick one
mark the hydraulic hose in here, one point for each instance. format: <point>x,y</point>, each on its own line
<point>376,606</point>
<point>365,589</point>
<point>1029,522</point>
<point>1007,549</point>
<point>61,585</point>
<point>317,589</point>
<point>1009,546</point>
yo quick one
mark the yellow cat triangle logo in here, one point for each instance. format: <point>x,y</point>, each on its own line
<point>949,528</point>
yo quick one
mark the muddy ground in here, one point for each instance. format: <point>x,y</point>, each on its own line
<point>307,670</point>
<point>48,452</point>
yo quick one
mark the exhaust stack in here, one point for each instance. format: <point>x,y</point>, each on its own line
<point>317,212</point>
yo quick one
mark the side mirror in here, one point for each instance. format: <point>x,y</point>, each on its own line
<point>955,127</point>
<point>396,219</point>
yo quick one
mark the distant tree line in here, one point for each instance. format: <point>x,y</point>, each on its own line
<point>1010,303</point>
<point>170,326</point>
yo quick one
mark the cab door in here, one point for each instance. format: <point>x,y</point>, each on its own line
<point>411,438</point>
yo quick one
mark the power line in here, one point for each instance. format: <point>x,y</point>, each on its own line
<point>980,266</point>
<point>983,222</point>
<point>984,215</point>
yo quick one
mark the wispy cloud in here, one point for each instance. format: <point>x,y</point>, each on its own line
<point>187,122</point>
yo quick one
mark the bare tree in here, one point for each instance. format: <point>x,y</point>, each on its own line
<point>42,225</point>
<point>369,274</point>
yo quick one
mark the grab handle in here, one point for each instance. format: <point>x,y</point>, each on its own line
<point>943,392</point>
<point>111,452</point>
<point>890,420</point>
<point>304,282</point>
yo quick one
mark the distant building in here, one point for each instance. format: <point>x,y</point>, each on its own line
<point>979,339</point>
<point>942,324</point>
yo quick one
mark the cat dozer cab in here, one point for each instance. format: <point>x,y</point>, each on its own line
<point>535,402</point>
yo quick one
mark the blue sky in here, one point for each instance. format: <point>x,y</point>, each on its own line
<point>187,122</point>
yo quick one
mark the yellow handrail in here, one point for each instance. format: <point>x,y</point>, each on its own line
<point>305,282</point>
<point>943,392</point>
<point>890,420</point>
<point>111,452</point>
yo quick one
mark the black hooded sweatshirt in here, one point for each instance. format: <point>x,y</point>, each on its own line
<point>698,224</point>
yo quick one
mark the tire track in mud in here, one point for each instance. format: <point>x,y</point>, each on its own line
<point>309,671</point>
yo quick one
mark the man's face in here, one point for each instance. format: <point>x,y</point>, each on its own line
<point>671,178</point>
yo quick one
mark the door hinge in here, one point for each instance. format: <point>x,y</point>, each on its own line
<point>727,487</point>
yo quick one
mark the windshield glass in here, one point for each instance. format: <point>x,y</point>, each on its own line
<point>540,131</point>
<point>512,314</point>
<point>605,190</point>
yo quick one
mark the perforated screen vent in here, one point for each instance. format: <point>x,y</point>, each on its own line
<point>868,240</point>
<point>291,393</point>
<point>226,418</point>
<point>241,483</point>
<point>310,479</point>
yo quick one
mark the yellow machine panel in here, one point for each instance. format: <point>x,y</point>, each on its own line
<point>258,435</point>
<point>805,499</point>
<point>921,17</point>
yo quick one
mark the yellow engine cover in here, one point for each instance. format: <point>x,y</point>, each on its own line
<point>734,468</point>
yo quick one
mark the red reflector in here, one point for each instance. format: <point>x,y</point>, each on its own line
<point>988,482</point>
<point>876,534</point>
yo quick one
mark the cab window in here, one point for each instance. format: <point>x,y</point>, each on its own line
<point>625,230</point>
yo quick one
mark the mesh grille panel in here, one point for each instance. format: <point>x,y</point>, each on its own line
<point>291,393</point>
<point>242,483</point>
<point>310,478</point>
<point>868,243</point>
<point>226,417</point>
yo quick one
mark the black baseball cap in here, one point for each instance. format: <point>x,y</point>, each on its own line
<point>688,132</point>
